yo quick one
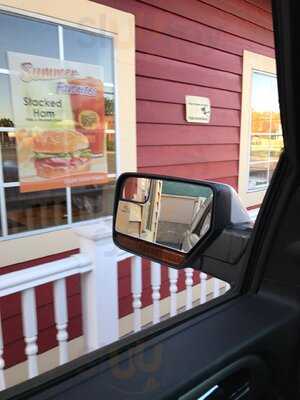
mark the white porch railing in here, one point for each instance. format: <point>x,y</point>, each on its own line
<point>98,266</point>
<point>24,282</point>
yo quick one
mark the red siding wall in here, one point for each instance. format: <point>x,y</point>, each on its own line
<point>193,47</point>
<point>184,47</point>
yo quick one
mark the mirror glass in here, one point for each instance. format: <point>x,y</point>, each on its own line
<point>170,213</point>
<point>136,189</point>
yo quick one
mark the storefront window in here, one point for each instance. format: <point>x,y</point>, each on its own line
<point>266,135</point>
<point>92,202</point>
<point>9,157</point>
<point>6,107</point>
<point>26,35</point>
<point>35,210</point>
<point>23,212</point>
<point>261,140</point>
<point>86,48</point>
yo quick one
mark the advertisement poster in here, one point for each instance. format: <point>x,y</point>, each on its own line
<point>59,117</point>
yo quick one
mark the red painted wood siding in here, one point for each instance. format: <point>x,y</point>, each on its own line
<point>193,47</point>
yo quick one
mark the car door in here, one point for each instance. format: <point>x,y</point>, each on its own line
<point>242,346</point>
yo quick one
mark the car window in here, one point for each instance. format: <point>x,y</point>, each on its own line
<point>91,91</point>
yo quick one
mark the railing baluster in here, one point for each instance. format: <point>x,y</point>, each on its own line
<point>173,278</point>
<point>136,290</point>
<point>216,290</point>
<point>203,287</point>
<point>155,283</point>
<point>61,319</point>
<point>2,378</point>
<point>189,287</point>
<point>30,330</point>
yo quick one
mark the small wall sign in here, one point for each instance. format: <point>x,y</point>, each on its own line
<point>198,109</point>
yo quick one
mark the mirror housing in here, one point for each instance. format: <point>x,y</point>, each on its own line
<point>225,240</point>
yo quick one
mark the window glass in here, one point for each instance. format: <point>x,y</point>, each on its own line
<point>35,210</point>
<point>260,146</point>
<point>276,146</point>
<point>28,36</point>
<point>90,48</point>
<point>91,202</point>
<point>45,209</point>
<point>110,133</point>
<point>266,136</point>
<point>9,156</point>
<point>258,177</point>
<point>6,113</point>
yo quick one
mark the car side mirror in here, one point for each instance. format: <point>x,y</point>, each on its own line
<point>176,221</point>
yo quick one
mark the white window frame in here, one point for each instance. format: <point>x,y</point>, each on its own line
<point>103,20</point>
<point>252,62</point>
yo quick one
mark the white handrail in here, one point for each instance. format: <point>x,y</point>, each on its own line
<point>123,255</point>
<point>18,281</point>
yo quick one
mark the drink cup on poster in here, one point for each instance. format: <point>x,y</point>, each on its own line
<point>88,111</point>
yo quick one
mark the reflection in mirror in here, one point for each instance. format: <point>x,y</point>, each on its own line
<point>136,189</point>
<point>170,213</point>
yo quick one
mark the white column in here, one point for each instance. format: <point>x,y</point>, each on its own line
<point>173,278</point>
<point>216,290</point>
<point>203,287</point>
<point>155,283</point>
<point>136,290</point>
<point>61,319</point>
<point>30,330</point>
<point>100,286</point>
<point>2,379</point>
<point>189,287</point>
